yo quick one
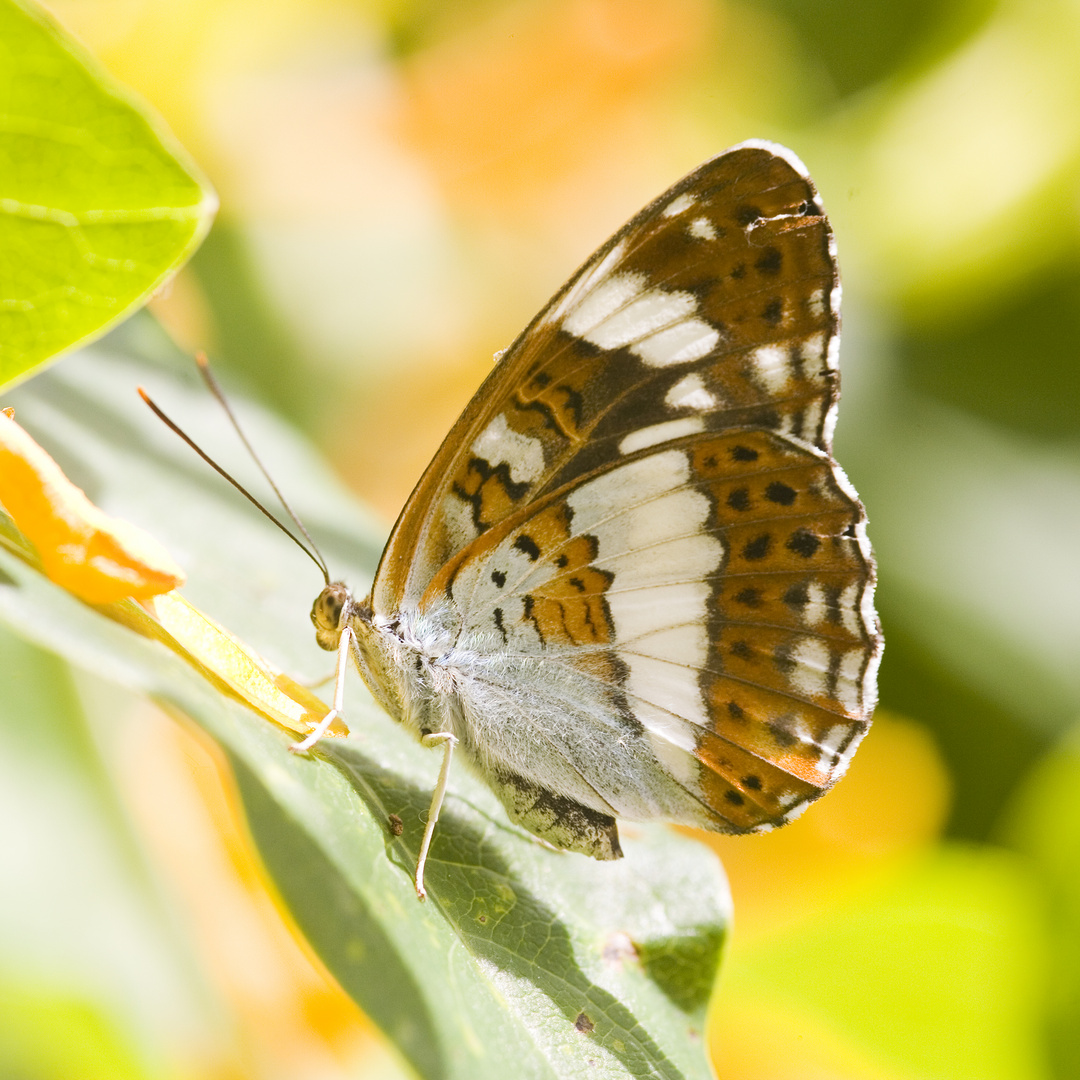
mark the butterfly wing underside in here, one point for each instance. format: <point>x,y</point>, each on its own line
<point>642,494</point>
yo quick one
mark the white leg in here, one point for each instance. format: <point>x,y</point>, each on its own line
<point>339,695</point>
<point>448,741</point>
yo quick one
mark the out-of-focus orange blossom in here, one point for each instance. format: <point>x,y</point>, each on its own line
<point>496,111</point>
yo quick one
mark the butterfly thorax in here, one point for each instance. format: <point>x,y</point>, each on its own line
<point>409,660</point>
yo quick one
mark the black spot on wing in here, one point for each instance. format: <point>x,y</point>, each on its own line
<point>783,658</point>
<point>798,596</point>
<point>804,543</point>
<point>528,546</point>
<point>780,493</point>
<point>739,499</point>
<point>770,261</point>
<point>773,311</point>
<point>758,548</point>
<point>784,729</point>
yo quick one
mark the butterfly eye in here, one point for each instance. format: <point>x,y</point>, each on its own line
<point>326,611</point>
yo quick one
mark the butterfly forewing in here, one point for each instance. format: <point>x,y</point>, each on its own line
<point>715,307</point>
<point>639,521</point>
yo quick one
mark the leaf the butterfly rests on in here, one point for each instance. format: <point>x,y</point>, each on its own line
<point>633,582</point>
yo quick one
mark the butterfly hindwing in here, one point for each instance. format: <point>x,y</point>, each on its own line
<point>710,601</point>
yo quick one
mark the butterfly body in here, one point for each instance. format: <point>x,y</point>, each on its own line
<point>634,583</point>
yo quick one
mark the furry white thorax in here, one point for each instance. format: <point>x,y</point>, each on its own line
<point>533,715</point>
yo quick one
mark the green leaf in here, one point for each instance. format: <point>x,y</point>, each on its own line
<point>524,962</point>
<point>98,203</point>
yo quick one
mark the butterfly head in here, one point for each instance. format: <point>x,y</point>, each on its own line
<point>334,607</point>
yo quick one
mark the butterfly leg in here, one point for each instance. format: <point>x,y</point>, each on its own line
<point>433,738</point>
<point>339,695</point>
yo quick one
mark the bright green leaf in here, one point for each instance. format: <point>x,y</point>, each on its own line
<point>98,203</point>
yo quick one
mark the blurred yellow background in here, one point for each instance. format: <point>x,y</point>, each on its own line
<point>403,184</point>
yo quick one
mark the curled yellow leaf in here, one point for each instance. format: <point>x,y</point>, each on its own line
<point>98,558</point>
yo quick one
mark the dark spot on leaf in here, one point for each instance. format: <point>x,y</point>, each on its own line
<point>397,826</point>
<point>584,1024</point>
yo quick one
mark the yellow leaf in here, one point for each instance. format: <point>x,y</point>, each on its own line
<point>97,558</point>
<point>247,674</point>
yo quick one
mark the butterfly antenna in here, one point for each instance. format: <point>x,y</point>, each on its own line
<point>312,552</point>
<point>215,388</point>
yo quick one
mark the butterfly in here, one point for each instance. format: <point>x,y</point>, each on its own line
<point>633,582</point>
